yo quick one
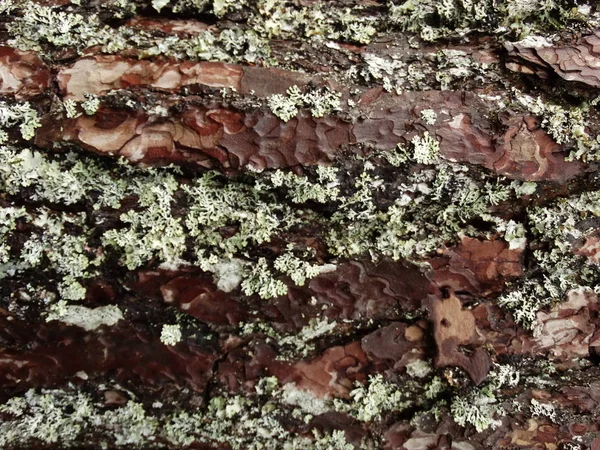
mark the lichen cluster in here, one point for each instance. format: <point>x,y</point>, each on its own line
<point>153,228</point>
<point>243,422</point>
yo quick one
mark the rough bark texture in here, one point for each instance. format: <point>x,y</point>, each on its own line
<point>359,224</point>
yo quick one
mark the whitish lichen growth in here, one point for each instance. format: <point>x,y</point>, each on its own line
<point>260,280</point>
<point>525,303</point>
<point>47,29</point>
<point>460,17</point>
<point>67,181</point>
<point>283,107</point>
<point>8,223</point>
<point>428,208</point>
<point>429,116</point>
<point>425,149</point>
<point>320,101</point>
<point>296,345</point>
<point>557,226</point>
<point>170,334</point>
<point>84,317</point>
<point>215,204</point>
<point>70,107</point>
<point>228,273</point>
<point>479,406</point>
<point>300,189</point>
<point>91,104</point>
<point>40,25</point>
<point>297,269</point>
<point>21,114</point>
<point>419,368</point>
<point>43,417</point>
<point>66,257</point>
<point>375,398</point>
<point>152,231</point>
<point>477,410</point>
<point>539,409</point>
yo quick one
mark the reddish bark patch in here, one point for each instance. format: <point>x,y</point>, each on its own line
<point>589,246</point>
<point>529,153</point>
<point>569,329</point>
<point>478,267</point>
<point>395,345</point>
<point>361,290</point>
<point>100,74</point>
<point>22,74</point>
<point>201,299</point>
<point>55,353</point>
<point>572,62</point>
<point>332,374</point>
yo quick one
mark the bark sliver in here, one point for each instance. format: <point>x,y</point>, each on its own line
<point>453,327</point>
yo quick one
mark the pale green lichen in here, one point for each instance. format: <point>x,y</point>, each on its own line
<point>514,234</point>
<point>159,4</point>
<point>91,104</point>
<point>170,334</point>
<point>64,254</point>
<point>40,25</point>
<point>283,107</point>
<point>373,399</point>
<point>320,101</point>
<point>243,422</point>
<point>335,440</point>
<point>228,272</point>
<point>65,181</point>
<point>419,368</point>
<point>454,66</point>
<point>153,227</point>
<point>525,303</point>
<point>296,268</point>
<point>306,401</point>
<point>300,189</point>
<point>461,17</point>
<point>45,29</point>
<point>539,409</point>
<point>557,226</point>
<point>477,410</point>
<point>153,231</point>
<point>260,280</point>
<point>429,116</point>
<point>390,71</point>
<point>425,148</point>
<point>299,344</point>
<point>6,6</point>
<point>479,406</point>
<point>70,107</point>
<point>8,223</point>
<point>84,317</point>
<point>313,22</point>
<point>42,417</point>
<point>435,387</point>
<point>215,204</point>
<point>21,114</point>
<point>129,425</point>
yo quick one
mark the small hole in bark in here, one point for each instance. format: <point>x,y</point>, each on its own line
<point>445,292</point>
<point>445,322</point>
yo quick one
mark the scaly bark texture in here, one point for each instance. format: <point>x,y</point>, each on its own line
<point>262,224</point>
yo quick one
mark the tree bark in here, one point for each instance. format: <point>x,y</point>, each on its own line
<point>300,224</point>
